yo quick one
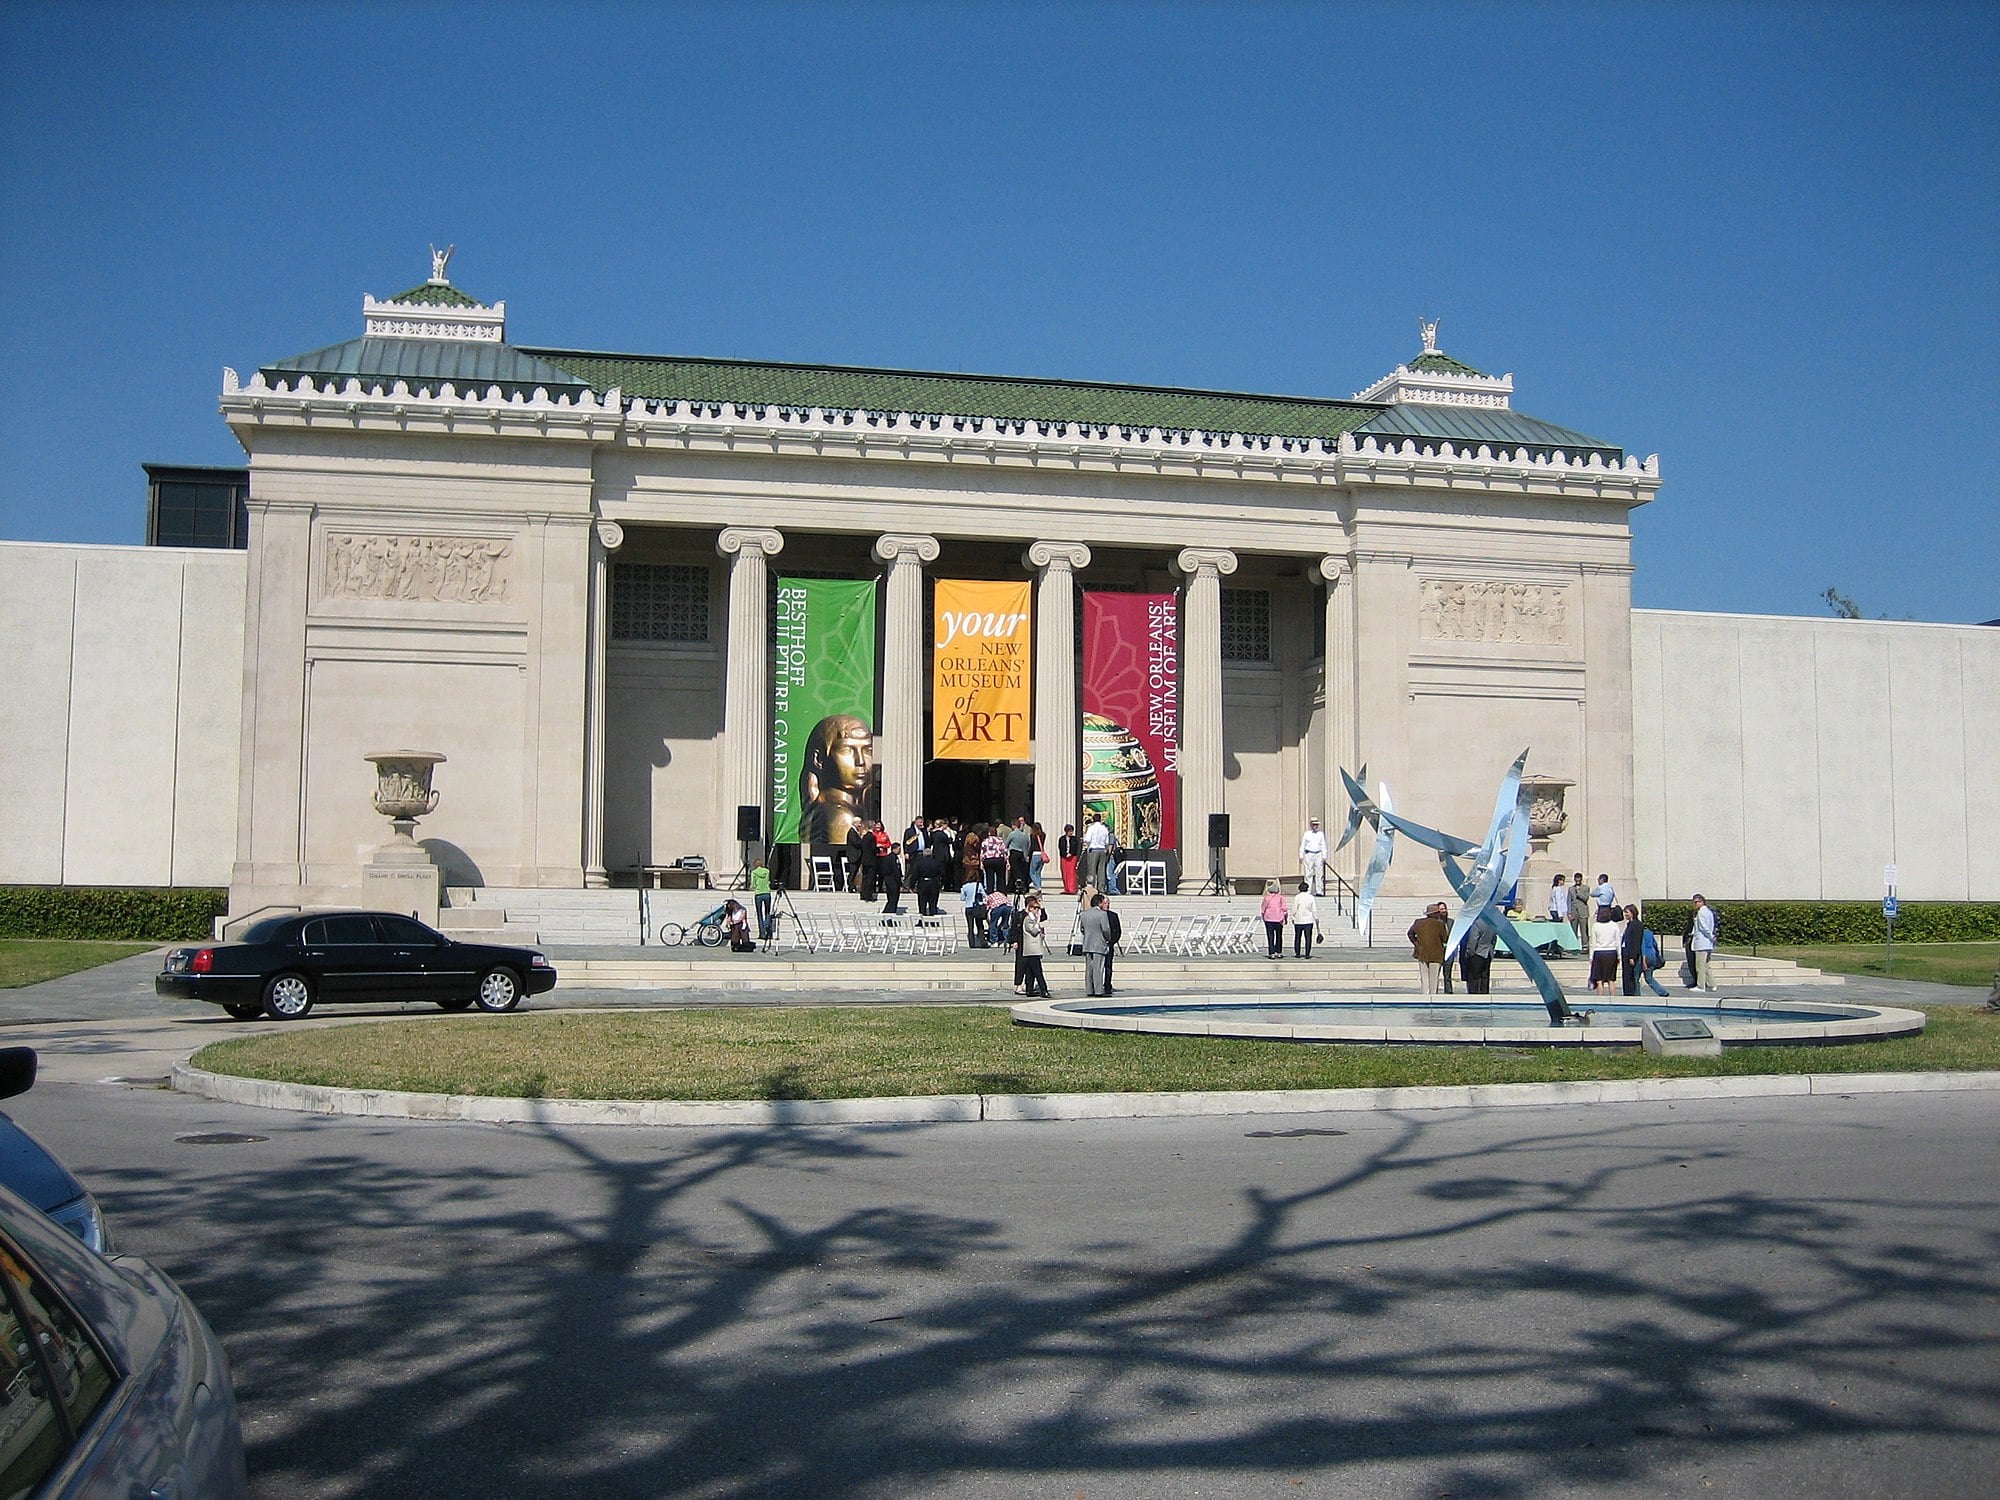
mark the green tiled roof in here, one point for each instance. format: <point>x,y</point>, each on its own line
<point>437,294</point>
<point>1433,363</point>
<point>849,388</point>
<point>427,364</point>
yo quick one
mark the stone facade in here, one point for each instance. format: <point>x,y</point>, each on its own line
<point>435,562</point>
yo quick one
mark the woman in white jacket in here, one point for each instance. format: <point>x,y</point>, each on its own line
<point>1034,948</point>
<point>1605,932</point>
<point>1305,918</point>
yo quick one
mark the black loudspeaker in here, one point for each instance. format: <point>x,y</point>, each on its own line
<point>749,824</point>
<point>1218,830</point>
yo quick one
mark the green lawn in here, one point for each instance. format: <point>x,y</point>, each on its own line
<point>847,1052</point>
<point>1940,963</point>
<point>31,960</point>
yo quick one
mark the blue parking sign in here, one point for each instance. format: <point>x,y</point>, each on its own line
<point>1889,907</point>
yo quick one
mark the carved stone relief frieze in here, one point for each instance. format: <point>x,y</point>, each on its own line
<point>435,569</point>
<point>1530,614</point>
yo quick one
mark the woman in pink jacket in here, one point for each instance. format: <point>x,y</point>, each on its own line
<point>1274,919</point>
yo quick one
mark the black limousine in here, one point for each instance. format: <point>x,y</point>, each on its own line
<point>284,965</point>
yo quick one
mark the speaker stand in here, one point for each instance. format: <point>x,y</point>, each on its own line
<point>1217,883</point>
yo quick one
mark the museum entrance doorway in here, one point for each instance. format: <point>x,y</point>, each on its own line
<point>979,791</point>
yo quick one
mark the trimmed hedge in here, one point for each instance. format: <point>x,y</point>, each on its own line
<point>1762,923</point>
<point>152,914</point>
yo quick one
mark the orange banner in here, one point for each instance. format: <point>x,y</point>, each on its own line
<point>982,659</point>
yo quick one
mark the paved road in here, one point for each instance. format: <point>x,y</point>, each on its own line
<point>1761,1298</point>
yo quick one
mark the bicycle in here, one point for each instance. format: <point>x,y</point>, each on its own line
<point>706,931</point>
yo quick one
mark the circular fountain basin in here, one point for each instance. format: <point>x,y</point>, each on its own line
<point>1477,1021</point>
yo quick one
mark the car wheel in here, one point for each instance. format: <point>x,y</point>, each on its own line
<point>244,1010</point>
<point>709,936</point>
<point>288,997</point>
<point>499,991</point>
<point>456,1002</point>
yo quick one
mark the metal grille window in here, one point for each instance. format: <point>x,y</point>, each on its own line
<point>1246,625</point>
<point>659,602</point>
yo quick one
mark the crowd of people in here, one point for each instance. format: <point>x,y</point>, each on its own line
<point>1624,951</point>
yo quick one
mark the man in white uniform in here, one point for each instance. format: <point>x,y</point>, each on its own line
<point>1312,858</point>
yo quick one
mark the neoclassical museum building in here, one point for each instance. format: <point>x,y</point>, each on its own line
<point>619,594</point>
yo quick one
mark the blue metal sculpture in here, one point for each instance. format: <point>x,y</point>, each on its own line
<point>1366,811</point>
<point>1496,866</point>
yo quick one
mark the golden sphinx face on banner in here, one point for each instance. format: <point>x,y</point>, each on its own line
<point>982,661</point>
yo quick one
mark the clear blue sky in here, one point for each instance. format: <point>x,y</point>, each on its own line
<point>1757,240</point>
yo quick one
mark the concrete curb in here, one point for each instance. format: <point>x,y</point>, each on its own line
<point>974,1108</point>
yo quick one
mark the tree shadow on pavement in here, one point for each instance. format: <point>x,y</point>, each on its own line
<point>659,1330</point>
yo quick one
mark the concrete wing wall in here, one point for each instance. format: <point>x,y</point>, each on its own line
<point>125,669</point>
<point>1792,759</point>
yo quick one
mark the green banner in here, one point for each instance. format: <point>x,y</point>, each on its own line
<point>822,710</point>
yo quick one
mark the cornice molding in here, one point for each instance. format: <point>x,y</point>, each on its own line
<point>829,432</point>
<point>820,432</point>
<point>348,403</point>
<point>1404,385</point>
<point>424,320</point>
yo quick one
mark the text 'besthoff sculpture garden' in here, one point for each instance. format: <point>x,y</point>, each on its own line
<point>1496,866</point>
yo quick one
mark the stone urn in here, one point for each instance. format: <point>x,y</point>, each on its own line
<point>1547,817</point>
<point>403,790</point>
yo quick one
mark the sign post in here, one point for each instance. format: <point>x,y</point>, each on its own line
<point>1890,906</point>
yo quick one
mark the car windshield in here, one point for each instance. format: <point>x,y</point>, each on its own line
<point>264,931</point>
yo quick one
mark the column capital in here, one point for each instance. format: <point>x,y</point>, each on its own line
<point>1331,570</point>
<point>896,545</point>
<point>1047,555</point>
<point>610,535</point>
<point>736,540</point>
<point>1195,561</point>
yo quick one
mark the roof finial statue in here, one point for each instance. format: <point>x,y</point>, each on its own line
<point>439,260</point>
<point>1428,325</point>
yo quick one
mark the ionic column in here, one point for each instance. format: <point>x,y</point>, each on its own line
<point>1201,697</point>
<point>1058,765</point>
<point>607,537</point>
<point>899,738</point>
<point>746,730</point>
<point>1338,668</point>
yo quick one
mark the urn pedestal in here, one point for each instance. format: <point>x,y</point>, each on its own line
<point>1543,797</point>
<point>401,876</point>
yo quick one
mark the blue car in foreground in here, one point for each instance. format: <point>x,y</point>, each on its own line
<point>28,1167</point>
<point>112,1385</point>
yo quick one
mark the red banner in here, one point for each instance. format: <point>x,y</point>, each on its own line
<point>1132,715</point>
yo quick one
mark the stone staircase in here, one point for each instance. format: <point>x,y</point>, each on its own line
<point>604,918</point>
<point>593,936</point>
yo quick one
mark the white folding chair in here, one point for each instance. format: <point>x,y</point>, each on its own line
<point>822,872</point>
